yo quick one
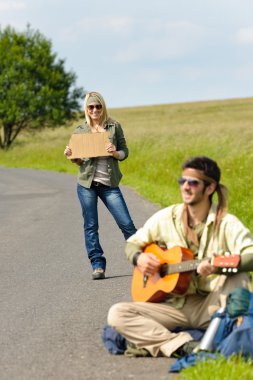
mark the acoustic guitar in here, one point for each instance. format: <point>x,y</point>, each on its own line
<point>174,274</point>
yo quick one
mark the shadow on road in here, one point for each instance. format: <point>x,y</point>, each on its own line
<point>123,275</point>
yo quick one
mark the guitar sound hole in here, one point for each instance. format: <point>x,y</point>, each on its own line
<point>163,270</point>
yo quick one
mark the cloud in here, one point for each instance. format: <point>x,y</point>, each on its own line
<point>158,41</point>
<point>130,40</point>
<point>10,5</point>
<point>150,75</point>
<point>245,36</point>
<point>98,28</point>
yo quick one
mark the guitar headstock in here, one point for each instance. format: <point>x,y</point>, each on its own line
<point>228,262</point>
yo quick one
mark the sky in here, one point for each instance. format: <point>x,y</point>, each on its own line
<point>145,52</point>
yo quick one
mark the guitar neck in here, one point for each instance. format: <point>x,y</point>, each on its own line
<point>183,266</point>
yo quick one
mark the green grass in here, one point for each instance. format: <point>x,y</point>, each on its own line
<point>232,368</point>
<point>160,138</point>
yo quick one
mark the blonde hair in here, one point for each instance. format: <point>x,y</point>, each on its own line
<point>100,99</point>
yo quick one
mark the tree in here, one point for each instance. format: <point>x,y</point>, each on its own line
<point>35,89</point>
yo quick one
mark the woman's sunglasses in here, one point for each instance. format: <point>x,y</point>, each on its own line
<point>190,182</point>
<point>92,106</point>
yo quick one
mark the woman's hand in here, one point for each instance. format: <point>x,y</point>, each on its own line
<point>111,148</point>
<point>148,263</point>
<point>67,152</point>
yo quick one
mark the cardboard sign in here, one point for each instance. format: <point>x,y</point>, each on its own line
<point>89,145</point>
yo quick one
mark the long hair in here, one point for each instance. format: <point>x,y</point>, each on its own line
<point>99,98</point>
<point>211,173</point>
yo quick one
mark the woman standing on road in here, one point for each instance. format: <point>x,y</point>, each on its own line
<point>99,177</point>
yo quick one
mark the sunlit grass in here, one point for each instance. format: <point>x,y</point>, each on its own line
<point>160,138</point>
<point>232,368</point>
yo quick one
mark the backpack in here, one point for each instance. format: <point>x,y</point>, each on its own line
<point>113,341</point>
<point>235,332</point>
<point>234,335</point>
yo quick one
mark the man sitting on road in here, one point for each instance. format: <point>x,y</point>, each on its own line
<point>208,230</point>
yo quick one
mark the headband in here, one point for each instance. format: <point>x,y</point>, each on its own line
<point>198,174</point>
<point>222,193</point>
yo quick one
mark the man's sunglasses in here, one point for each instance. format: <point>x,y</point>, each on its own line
<point>92,106</point>
<point>190,182</point>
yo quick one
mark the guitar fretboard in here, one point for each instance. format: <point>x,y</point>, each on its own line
<point>183,266</point>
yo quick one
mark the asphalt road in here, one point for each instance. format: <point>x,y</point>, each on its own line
<point>51,312</point>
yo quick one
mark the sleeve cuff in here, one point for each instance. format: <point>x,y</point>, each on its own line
<point>135,258</point>
<point>121,154</point>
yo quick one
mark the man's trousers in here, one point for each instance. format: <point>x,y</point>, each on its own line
<point>150,325</point>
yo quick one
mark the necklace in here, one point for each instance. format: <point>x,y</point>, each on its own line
<point>97,128</point>
<point>196,225</point>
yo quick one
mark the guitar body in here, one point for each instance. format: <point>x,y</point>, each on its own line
<point>157,287</point>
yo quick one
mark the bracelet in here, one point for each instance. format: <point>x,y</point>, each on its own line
<point>135,258</point>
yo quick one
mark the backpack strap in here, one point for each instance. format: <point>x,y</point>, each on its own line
<point>250,309</point>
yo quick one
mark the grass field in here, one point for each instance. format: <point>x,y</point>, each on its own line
<point>160,138</point>
<point>221,369</point>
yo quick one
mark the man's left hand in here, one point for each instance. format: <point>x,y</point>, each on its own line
<point>205,268</point>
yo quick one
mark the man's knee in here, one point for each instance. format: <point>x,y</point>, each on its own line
<point>239,280</point>
<point>115,314</point>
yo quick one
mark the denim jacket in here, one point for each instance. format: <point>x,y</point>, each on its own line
<point>87,169</point>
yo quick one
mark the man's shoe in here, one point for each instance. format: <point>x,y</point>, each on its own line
<point>186,349</point>
<point>98,274</point>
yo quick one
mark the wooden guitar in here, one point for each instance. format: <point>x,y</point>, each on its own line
<point>174,274</point>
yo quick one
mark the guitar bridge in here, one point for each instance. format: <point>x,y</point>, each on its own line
<point>145,279</point>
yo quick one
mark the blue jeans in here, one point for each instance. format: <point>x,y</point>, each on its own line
<point>114,201</point>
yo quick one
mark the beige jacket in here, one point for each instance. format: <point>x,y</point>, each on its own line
<point>165,227</point>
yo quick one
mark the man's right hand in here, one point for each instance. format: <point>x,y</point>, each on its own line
<point>148,264</point>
